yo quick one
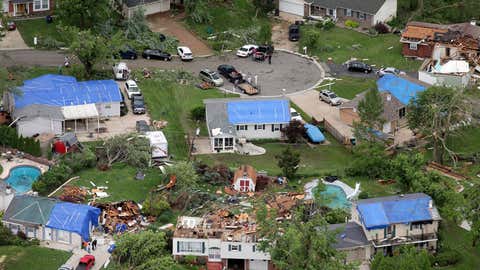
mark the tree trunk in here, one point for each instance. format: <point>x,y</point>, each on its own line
<point>437,151</point>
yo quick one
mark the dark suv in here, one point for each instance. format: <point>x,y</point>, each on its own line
<point>358,66</point>
<point>294,32</point>
<point>230,73</point>
<point>138,104</point>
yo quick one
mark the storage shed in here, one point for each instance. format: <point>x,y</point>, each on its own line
<point>158,143</point>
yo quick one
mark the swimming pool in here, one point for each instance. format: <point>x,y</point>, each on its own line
<point>335,197</point>
<point>21,178</point>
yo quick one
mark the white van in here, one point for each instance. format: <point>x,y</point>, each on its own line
<point>132,89</point>
<point>121,71</point>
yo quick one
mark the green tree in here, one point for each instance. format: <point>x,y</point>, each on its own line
<point>265,34</point>
<point>435,113</point>
<point>370,110</point>
<point>295,131</point>
<point>409,259</point>
<point>369,160</point>
<point>406,169</point>
<point>288,161</point>
<point>473,212</point>
<point>187,177</point>
<point>127,148</point>
<point>155,204</point>
<point>84,14</point>
<point>263,6</point>
<point>301,245</point>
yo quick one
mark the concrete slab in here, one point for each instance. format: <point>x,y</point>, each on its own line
<point>12,40</point>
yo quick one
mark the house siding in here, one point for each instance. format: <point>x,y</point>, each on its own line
<point>423,50</point>
<point>108,109</point>
<point>267,133</point>
<point>11,9</point>
<point>32,126</point>
<point>149,9</point>
<point>342,17</point>
<point>387,12</point>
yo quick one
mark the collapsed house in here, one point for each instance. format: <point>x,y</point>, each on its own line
<point>124,216</point>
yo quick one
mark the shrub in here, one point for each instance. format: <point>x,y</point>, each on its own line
<point>78,161</point>
<point>52,179</point>
<point>381,28</point>
<point>198,113</point>
<point>295,131</point>
<point>364,195</point>
<point>310,39</point>
<point>352,24</point>
<point>155,205</point>
<point>328,24</point>
<point>447,256</point>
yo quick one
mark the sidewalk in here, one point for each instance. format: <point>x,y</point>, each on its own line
<point>101,255</point>
<point>13,41</point>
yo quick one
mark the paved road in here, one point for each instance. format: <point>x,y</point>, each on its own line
<point>287,71</point>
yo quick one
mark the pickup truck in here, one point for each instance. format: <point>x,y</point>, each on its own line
<point>230,73</point>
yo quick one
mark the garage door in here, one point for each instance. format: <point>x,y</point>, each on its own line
<point>258,265</point>
<point>292,7</point>
<point>156,7</point>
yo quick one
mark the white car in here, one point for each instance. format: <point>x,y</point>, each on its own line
<point>121,71</point>
<point>389,70</point>
<point>132,89</point>
<point>294,115</point>
<point>185,53</point>
<point>330,97</point>
<point>246,50</point>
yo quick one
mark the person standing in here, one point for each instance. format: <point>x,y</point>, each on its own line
<point>94,244</point>
<point>89,247</point>
<point>269,58</point>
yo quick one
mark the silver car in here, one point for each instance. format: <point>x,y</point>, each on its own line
<point>330,97</point>
<point>211,77</point>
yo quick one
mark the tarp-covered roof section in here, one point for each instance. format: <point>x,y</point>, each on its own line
<point>58,90</point>
<point>258,111</point>
<point>381,212</point>
<point>403,89</point>
<point>74,218</point>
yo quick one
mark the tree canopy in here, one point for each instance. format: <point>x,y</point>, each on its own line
<point>409,259</point>
<point>370,111</point>
<point>288,161</point>
<point>84,14</point>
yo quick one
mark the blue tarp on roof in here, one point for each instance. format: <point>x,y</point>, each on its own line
<point>275,111</point>
<point>380,214</point>
<point>74,218</point>
<point>58,90</point>
<point>403,89</point>
<point>314,133</point>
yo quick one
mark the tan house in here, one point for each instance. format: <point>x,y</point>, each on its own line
<point>245,179</point>
<point>393,111</point>
<point>351,240</point>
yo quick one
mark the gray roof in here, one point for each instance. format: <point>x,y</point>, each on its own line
<point>26,209</point>
<point>394,198</point>
<point>133,3</point>
<point>69,138</point>
<point>349,235</point>
<point>391,105</point>
<point>35,110</point>
<point>216,116</point>
<point>367,6</point>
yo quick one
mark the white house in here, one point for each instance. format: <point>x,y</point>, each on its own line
<point>149,6</point>
<point>245,118</point>
<point>6,195</point>
<point>245,179</point>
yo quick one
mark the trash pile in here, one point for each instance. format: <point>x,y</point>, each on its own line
<point>73,194</point>
<point>284,203</point>
<point>124,216</point>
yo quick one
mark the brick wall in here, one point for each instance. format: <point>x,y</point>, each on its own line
<point>423,50</point>
<point>355,16</point>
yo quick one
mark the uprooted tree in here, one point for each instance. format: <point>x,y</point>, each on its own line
<point>127,148</point>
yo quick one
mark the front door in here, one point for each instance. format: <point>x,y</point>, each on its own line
<point>47,234</point>
<point>21,9</point>
<point>244,185</point>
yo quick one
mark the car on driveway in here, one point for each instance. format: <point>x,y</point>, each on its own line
<point>294,32</point>
<point>211,77</point>
<point>156,54</point>
<point>142,126</point>
<point>260,53</point>
<point>330,97</point>
<point>185,53</point>
<point>86,262</point>
<point>132,89</point>
<point>65,267</point>
<point>246,50</point>
<point>389,70</point>
<point>128,53</point>
<point>357,66</point>
<point>11,26</point>
<point>230,73</point>
<point>138,104</point>
<point>294,115</point>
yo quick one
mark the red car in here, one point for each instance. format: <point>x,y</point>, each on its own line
<point>11,26</point>
<point>86,262</point>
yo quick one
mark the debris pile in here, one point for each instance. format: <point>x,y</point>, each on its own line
<point>284,203</point>
<point>119,217</point>
<point>73,194</point>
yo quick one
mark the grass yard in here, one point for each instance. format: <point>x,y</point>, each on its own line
<point>121,183</point>
<point>343,44</point>
<point>32,258</point>
<point>39,28</point>
<point>173,102</point>
<point>349,87</point>
<point>459,239</point>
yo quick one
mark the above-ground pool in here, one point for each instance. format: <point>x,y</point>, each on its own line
<point>21,178</point>
<point>335,197</point>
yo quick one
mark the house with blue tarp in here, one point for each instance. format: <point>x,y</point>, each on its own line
<point>229,120</point>
<point>389,222</point>
<point>51,220</point>
<point>402,88</point>
<point>56,103</point>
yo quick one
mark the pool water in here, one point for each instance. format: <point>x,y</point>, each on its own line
<point>335,197</point>
<point>21,178</point>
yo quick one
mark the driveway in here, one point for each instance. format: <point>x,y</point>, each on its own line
<point>172,26</point>
<point>280,35</point>
<point>287,71</point>
<point>12,40</point>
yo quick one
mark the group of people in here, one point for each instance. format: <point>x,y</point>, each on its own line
<point>90,246</point>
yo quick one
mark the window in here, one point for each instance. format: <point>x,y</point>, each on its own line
<point>214,253</point>
<point>330,12</point>
<point>362,16</point>
<point>41,5</point>
<point>228,143</point>
<point>242,127</point>
<point>416,226</point>
<point>195,247</point>
<point>348,12</point>
<point>276,127</point>
<point>401,113</point>
<point>63,236</point>
<point>218,143</point>
<point>234,247</point>
<point>254,248</point>
<point>413,46</point>
<point>260,127</point>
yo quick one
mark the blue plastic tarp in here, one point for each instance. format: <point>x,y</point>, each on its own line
<point>403,89</point>
<point>74,218</point>
<point>58,90</point>
<point>383,213</point>
<point>259,111</point>
<point>314,134</point>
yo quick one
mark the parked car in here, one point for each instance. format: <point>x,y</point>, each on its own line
<point>358,66</point>
<point>65,267</point>
<point>86,262</point>
<point>185,53</point>
<point>142,126</point>
<point>211,77</point>
<point>294,115</point>
<point>11,26</point>
<point>230,73</point>
<point>121,71</point>
<point>330,97</point>
<point>294,32</point>
<point>128,53</point>
<point>138,104</point>
<point>389,70</point>
<point>246,50</point>
<point>132,89</point>
<point>156,54</point>
<point>162,37</point>
<point>261,53</point>
<point>248,88</point>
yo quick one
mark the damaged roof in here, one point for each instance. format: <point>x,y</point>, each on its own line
<point>443,32</point>
<point>391,104</point>
<point>348,235</point>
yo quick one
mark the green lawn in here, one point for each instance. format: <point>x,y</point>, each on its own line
<point>32,258</point>
<point>457,238</point>
<point>121,183</point>
<point>349,87</point>
<point>343,44</point>
<point>467,141</point>
<point>38,28</point>
<point>173,102</point>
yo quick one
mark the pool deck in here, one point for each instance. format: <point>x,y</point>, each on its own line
<point>15,162</point>
<point>308,188</point>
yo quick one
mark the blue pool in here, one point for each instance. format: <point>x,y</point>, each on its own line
<point>335,197</point>
<point>21,178</point>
